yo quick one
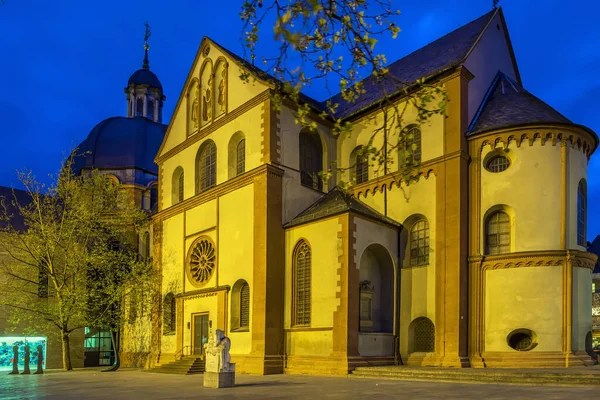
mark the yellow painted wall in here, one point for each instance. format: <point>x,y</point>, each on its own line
<point>236,253</point>
<point>577,162</point>
<point>201,218</point>
<point>418,299</point>
<point>525,297</point>
<point>322,237</point>
<point>315,343</point>
<point>431,140</point>
<point>238,94</point>
<point>249,123</point>
<point>531,186</point>
<point>582,307</point>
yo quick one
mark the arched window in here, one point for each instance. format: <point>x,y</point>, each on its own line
<point>169,313</point>
<point>423,332</point>
<point>207,166</point>
<point>139,109</point>
<point>302,280</point>
<point>360,165</point>
<point>150,109</point>
<point>180,187</point>
<point>240,157</point>
<point>497,236</point>
<point>244,306</point>
<point>153,197</point>
<point>178,183</point>
<point>581,212</point>
<point>419,243</point>
<point>311,160</point>
<point>146,245</point>
<point>410,150</point>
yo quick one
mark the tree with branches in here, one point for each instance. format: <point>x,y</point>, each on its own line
<point>334,41</point>
<point>70,254</point>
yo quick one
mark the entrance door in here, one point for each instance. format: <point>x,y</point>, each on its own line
<point>200,334</point>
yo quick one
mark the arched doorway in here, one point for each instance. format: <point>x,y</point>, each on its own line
<point>376,308</point>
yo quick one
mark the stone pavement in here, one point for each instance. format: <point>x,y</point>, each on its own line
<point>133,384</point>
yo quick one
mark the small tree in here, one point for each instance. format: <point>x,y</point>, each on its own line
<point>75,259</point>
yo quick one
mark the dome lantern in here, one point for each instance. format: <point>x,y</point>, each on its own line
<point>144,91</point>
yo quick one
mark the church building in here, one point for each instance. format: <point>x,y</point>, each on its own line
<point>479,261</point>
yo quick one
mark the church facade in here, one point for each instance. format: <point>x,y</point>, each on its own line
<point>480,261</point>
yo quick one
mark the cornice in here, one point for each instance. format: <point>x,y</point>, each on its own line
<point>542,258</point>
<point>217,191</point>
<point>208,292</point>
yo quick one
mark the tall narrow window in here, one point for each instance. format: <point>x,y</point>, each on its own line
<point>498,233</point>
<point>311,160</point>
<point>581,212</point>
<point>360,165</point>
<point>207,166</point>
<point>244,306</point>
<point>150,111</point>
<point>302,281</point>
<point>169,313</point>
<point>410,152</point>
<point>180,187</point>
<point>419,243</point>
<point>153,197</point>
<point>146,245</point>
<point>241,157</point>
<point>139,108</point>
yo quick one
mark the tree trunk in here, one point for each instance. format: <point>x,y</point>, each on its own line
<point>66,352</point>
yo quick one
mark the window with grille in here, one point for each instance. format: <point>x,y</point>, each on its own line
<point>424,335</point>
<point>411,151</point>
<point>419,243</point>
<point>240,157</point>
<point>302,261</point>
<point>208,166</point>
<point>361,166</point>
<point>497,164</point>
<point>180,187</point>
<point>498,233</point>
<point>244,306</point>
<point>581,212</point>
<point>311,160</point>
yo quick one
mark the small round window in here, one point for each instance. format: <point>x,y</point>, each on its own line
<point>497,164</point>
<point>522,339</point>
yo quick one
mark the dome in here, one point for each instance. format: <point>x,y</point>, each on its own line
<point>145,77</point>
<point>121,143</point>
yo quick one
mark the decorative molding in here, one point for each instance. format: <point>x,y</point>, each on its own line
<point>576,137</point>
<point>194,294</point>
<point>545,258</point>
<point>217,191</point>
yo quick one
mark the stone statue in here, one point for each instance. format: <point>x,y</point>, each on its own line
<point>15,361</point>
<point>26,370</point>
<point>195,107</point>
<point>40,360</point>
<point>207,102</point>
<point>219,370</point>
<point>221,99</point>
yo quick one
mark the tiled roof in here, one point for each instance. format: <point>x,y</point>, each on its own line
<point>8,196</point>
<point>508,104</point>
<point>338,202</point>
<point>441,55</point>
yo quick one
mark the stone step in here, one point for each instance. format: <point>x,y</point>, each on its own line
<point>471,376</point>
<point>185,366</point>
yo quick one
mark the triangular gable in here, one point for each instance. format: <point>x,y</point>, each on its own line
<point>180,114</point>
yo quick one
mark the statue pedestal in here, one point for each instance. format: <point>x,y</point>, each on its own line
<point>219,379</point>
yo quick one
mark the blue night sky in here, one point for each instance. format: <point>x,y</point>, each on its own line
<point>65,63</point>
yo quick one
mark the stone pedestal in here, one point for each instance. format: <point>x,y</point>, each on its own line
<point>219,379</point>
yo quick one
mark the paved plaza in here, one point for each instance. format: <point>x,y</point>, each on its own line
<point>134,384</point>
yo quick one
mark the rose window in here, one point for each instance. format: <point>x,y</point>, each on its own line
<point>202,261</point>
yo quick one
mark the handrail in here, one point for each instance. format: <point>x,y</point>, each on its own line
<point>180,354</point>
